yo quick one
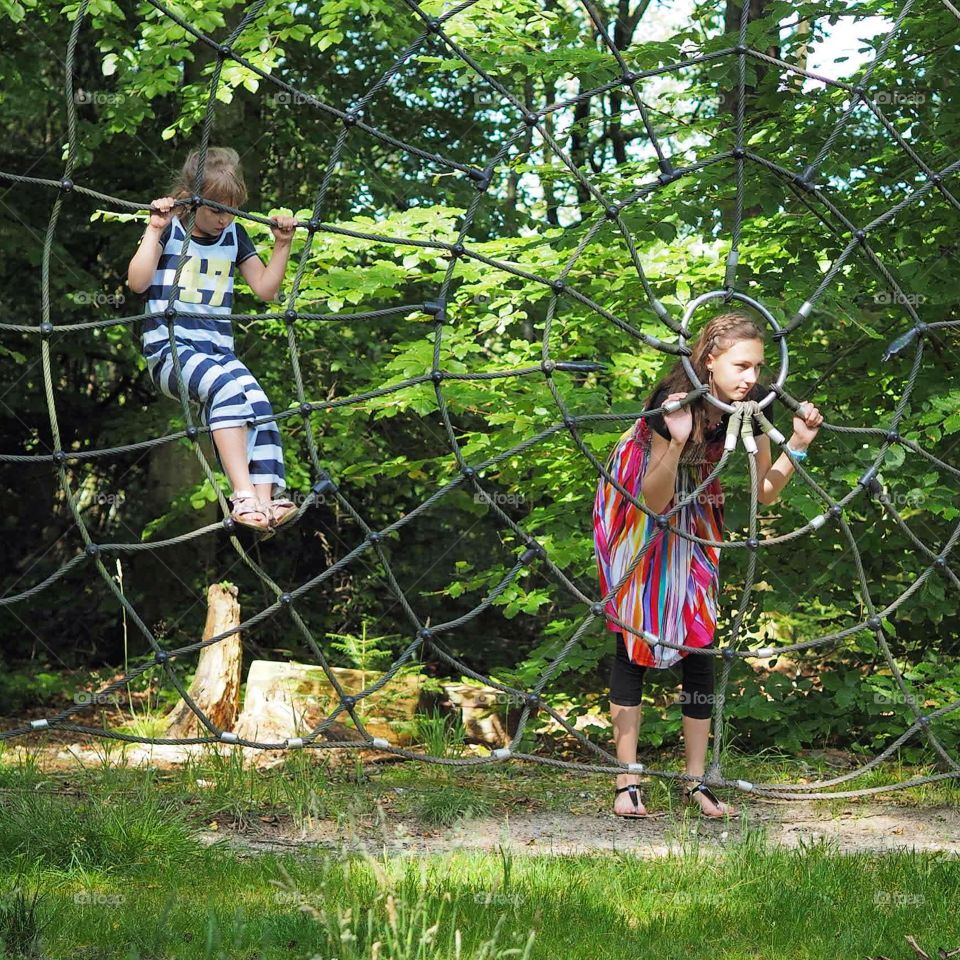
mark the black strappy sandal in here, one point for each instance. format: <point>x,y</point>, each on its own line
<point>688,792</point>
<point>634,789</point>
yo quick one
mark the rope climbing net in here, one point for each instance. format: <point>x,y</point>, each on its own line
<point>856,239</point>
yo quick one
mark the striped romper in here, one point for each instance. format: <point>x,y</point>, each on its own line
<point>227,391</point>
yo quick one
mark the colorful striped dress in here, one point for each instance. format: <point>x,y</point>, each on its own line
<point>672,591</point>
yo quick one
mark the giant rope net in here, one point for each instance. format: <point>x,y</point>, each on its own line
<point>802,184</point>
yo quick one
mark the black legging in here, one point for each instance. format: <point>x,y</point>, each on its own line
<point>626,682</point>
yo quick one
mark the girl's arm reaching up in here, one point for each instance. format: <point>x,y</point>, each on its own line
<point>265,281</point>
<point>774,478</point>
<point>659,483</point>
<point>143,263</point>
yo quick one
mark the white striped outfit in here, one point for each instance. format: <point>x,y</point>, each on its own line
<point>227,391</point>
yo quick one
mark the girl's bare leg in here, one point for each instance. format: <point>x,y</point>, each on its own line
<point>696,732</point>
<point>232,446</point>
<point>626,730</point>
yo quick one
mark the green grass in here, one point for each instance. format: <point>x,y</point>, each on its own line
<point>148,891</point>
<point>105,862</point>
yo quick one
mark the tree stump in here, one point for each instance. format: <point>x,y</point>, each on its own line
<point>489,715</point>
<point>216,685</point>
<point>288,699</point>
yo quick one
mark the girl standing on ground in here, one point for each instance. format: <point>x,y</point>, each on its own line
<point>250,455</point>
<point>672,591</point>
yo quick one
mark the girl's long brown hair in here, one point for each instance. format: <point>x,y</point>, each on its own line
<point>222,177</point>
<point>718,335</point>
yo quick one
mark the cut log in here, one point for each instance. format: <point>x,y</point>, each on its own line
<point>490,716</point>
<point>216,685</point>
<point>284,700</point>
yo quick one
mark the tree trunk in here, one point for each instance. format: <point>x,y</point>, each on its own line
<point>216,684</point>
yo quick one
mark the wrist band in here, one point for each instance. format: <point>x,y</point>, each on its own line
<point>799,454</point>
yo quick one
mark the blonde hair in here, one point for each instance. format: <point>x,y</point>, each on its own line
<point>720,333</point>
<point>222,177</point>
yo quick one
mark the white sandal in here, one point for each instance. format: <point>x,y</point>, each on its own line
<point>244,505</point>
<point>289,511</point>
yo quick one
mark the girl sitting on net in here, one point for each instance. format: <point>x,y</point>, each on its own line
<point>230,396</point>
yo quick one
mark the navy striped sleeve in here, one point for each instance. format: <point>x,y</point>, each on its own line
<point>245,247</point>
<point>165,235</point>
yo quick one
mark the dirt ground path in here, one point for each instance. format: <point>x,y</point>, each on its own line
<point>857,825</point>
<point>860,827</point>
